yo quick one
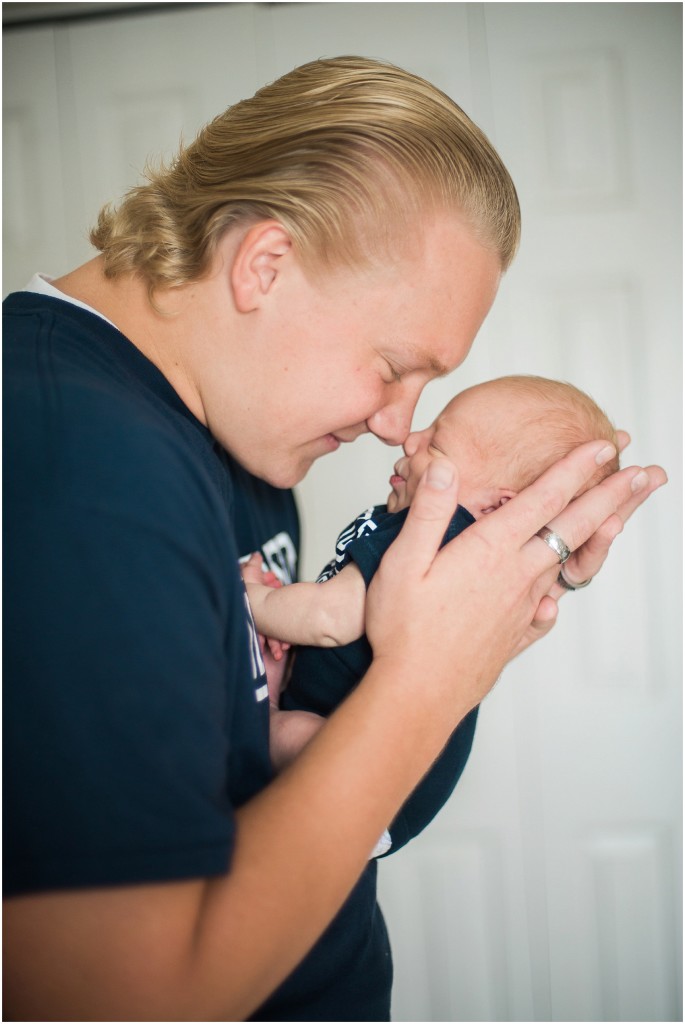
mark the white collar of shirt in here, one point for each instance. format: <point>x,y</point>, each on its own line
<point>42,284</point>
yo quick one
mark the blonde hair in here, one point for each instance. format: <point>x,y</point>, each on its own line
<point>557,417</point>
<point>344,152</point>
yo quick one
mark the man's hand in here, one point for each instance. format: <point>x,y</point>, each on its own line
<point>497,577</point>
<point>589,558</point>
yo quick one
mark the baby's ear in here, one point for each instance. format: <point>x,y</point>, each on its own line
<point>499,498</point>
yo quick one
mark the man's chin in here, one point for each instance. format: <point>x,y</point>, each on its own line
<point>283,476</point>
<point>290,471</point>
<point>287,478</point>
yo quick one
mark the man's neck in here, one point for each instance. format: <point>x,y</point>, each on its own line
<point>125,302</point>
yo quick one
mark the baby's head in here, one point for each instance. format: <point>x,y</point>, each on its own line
<point>502,435</point>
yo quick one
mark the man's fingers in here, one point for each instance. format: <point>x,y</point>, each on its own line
<point>588,559</point>
<point>544,621</point>
<point>531,509</point>
<point>584,516</point>
<point>656,477</point>
<point>623,439</point>
<point>619,494</point>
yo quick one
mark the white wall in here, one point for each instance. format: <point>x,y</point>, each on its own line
<point>548,889</point>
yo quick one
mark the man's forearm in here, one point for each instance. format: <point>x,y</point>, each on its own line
<point>216,949</point>
<point>349,773</point>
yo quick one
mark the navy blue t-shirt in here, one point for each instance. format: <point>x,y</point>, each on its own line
<point>135,710</point>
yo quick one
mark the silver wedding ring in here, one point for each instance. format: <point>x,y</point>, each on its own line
<point>556,543</point>
<point>566,583</point>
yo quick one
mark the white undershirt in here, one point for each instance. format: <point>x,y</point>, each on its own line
<point>42,284</point>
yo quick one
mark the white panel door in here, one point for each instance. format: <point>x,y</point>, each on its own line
<point>595,90</point>
<point>548,889</point>
<point>34,223</point>
<point>139,87</point>
<point>585,730</point>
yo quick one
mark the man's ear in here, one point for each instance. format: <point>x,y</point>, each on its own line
<point>257,263</point>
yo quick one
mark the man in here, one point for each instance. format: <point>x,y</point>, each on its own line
<point>296,277</point>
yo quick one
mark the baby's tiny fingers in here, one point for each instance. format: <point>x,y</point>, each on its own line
<point>275,648</point>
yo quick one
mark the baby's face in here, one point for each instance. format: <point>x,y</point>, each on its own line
<point>447,437</point>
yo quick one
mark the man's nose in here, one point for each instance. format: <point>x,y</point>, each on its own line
<point>392,422</point>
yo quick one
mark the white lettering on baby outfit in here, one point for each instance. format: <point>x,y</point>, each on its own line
<point>281,557</point>
<point>256,659</point>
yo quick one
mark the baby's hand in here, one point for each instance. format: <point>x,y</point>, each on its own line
<point>253,573</point>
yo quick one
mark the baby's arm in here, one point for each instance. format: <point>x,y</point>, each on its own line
<point>326,614</point>
<point>289,733</point>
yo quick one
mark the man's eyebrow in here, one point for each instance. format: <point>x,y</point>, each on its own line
<point>424,357</point>
<point>438,367</point>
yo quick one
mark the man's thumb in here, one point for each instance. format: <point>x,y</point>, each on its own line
<point>440,476</point>
<point>432,507</point>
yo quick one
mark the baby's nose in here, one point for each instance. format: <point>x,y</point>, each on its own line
<point>411,443</point>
